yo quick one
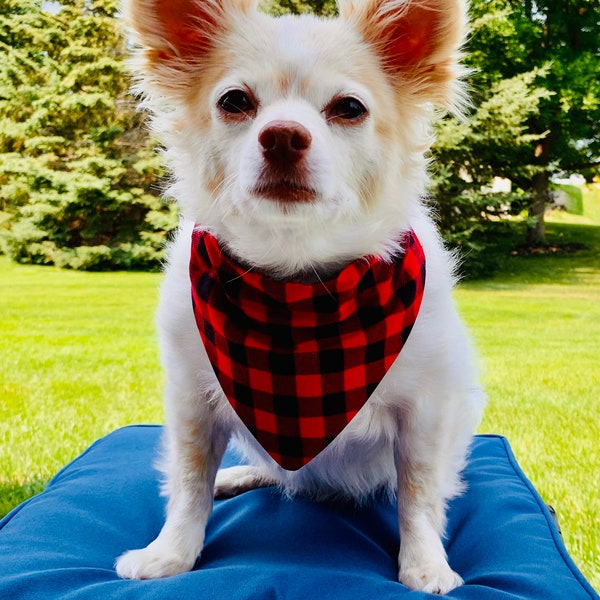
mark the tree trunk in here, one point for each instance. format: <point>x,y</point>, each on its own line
<point>536,230</point>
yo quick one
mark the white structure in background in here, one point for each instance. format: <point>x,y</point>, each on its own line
<point>573,179</point>
<point>499,185</point>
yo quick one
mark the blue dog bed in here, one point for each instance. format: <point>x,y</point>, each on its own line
<point>62,543</point>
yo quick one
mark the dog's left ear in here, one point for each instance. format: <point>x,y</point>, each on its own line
<point>418,41</point>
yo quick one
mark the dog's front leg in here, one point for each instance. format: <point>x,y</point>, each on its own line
<point>194,449</point>
<point>422,560</point>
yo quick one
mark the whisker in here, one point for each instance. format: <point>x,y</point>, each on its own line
<point>250,268</point>
<point>225,186</point>
<point>322,282</point>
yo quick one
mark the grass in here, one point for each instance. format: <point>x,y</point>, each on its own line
<point>78,358</point>
<point>536,326</point>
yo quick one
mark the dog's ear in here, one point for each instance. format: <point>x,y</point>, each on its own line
<point>176,34</point>
<point>417,41</point>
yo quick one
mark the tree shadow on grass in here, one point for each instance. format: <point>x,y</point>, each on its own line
<point>13,494</point>
<point>571,256</point>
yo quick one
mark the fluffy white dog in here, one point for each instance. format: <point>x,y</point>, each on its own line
<point>307,308</point>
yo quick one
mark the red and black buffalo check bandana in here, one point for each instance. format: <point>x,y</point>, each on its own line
<point>298,361</point>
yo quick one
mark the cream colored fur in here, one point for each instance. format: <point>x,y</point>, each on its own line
<point>368,177</point>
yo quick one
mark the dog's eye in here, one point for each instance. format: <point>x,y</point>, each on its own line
<point>347,109</point>
<point>236,102</point>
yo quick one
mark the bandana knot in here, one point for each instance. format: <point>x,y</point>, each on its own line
<point>298,361</point>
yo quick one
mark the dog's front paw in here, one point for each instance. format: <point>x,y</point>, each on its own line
<point>431,578</point>
<point>151,562</point>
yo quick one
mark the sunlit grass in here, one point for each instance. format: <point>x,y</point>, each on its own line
<point>540,349</point>
<point>537,328</point>
<point>78,358</point>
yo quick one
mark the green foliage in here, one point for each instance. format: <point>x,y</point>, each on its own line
<point>78,176</point>
<point>79,179</point>
<point>468,156</point>
<point>297,7</point>
<point>536,98</point>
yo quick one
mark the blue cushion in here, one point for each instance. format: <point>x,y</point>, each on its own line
<point>63,542</point>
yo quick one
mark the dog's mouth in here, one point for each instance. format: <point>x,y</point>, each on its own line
<point>285,192</point>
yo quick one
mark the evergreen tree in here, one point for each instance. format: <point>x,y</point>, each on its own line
<point>78,178</point>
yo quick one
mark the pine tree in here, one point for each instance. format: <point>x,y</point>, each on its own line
<point>78,177</point>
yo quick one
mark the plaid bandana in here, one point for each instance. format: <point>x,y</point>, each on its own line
<point>298,361</point>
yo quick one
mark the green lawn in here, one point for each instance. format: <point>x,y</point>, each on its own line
<point>536,326</point>
<point>540,348</point>
<point>78,358</point>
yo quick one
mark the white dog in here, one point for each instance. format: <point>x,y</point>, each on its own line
<point>305,260</point>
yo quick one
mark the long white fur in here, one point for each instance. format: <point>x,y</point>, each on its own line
<point>412,436</point>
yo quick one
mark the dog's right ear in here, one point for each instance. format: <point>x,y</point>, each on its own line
<point>175,35</point>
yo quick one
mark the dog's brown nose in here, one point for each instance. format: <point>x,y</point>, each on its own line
<point>284,142</point>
